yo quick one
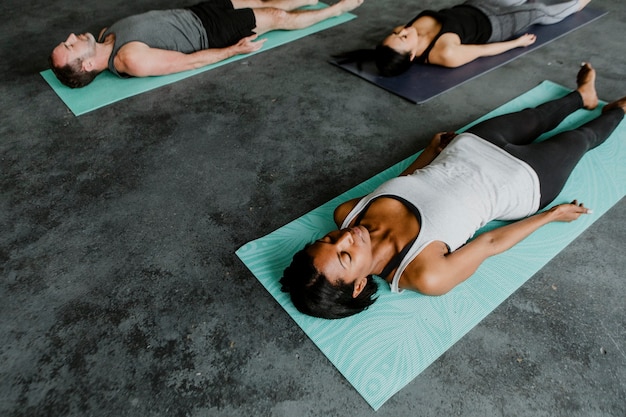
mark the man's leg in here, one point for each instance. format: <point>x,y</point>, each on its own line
<point>276,4</point>
<point>268,19</point>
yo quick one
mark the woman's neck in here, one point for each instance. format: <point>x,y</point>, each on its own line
<point>427,28</point>
<point>391,226</point>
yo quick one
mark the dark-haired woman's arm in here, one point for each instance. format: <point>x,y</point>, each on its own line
<point>450,52</point>
<point>434,148</point>
<point>439,271</point>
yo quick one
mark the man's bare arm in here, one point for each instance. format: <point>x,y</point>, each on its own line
<point>139,60</point>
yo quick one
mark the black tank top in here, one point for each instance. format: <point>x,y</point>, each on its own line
<point>472,26</point>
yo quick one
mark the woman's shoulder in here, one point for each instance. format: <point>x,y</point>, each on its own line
<point>444,50</point>
<point>421,273</point>
<point>343,209</point>
<point>378,206</point>
<point>432,14</point>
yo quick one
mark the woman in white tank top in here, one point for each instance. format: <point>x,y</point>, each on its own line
<point>413,230</point>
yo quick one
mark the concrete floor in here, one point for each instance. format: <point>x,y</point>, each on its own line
<point>121,294</point>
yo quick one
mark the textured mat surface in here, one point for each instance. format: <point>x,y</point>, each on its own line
<point>381,350</point>
<point>424,82</point>
<point>108,88</point>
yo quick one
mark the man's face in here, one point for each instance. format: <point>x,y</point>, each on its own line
<point>74,47</point>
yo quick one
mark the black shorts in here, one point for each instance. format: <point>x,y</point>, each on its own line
<point>224,24</point>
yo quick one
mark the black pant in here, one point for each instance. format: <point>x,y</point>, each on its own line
<point>224,24</point>
<point>552,159</point>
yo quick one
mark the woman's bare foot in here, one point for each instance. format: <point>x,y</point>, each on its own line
<point>586,80</point>
<point>621,103</point>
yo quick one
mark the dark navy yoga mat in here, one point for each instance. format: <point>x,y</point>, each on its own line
<point>423,82</point>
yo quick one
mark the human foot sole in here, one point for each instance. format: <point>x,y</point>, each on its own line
<point>586,81</point>
<point>620,103</point>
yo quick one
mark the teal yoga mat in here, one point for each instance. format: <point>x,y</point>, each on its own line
<point>107,88</point>
<point>382,349</point>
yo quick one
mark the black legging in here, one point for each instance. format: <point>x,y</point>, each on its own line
<point>553,159</point>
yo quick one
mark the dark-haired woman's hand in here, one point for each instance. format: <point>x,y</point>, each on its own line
<point>441,140</point>
<point>435,146</point>
<point>569,212</point>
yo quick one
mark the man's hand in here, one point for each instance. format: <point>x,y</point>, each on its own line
<point>247,45</point>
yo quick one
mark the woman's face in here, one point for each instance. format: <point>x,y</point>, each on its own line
<point>344,255</point>
<point>402,40</point>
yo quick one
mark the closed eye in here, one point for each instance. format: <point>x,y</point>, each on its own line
<point>344,258</point>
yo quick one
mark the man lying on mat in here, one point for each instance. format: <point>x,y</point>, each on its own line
<point>414,231</point>
<point>169,41</point>
<point>456,36</point>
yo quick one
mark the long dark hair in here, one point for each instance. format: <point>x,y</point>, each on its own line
<point>312,294</point>
<point>389,62</point>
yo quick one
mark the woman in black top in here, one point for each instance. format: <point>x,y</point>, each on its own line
<point>458,35</point>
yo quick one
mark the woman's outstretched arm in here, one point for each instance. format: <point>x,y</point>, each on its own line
<point>451,53</point>
<point>442,272</point>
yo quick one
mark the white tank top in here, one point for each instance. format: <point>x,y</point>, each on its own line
<point>470,183</point>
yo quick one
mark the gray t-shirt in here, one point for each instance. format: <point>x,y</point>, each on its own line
<point>175,30</point>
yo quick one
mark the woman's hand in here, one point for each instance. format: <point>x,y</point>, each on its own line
<point>436,145</point>
<point>441,140</point>
<point>569,212</point>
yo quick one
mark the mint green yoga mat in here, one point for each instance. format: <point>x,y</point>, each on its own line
<point>382,349</point>
<point>107,88</point>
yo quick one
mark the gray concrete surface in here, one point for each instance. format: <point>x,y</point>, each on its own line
<point>120,293</point>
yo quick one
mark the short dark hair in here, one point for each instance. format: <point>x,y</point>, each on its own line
<point>388,61</point>
<point>391,62</point>
<point>72,73</point>
<point>312,293</point>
